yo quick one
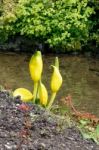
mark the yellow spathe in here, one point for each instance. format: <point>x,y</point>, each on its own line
<point>56,80</point>
<point>25,94</point>
<point>43,94</point>
<point>36,66</point>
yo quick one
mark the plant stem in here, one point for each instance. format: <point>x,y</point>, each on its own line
<point>51,101</point>
<point>37,94</point>
<point>35,91</point>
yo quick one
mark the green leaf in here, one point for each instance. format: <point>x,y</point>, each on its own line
<point>97,131</point>
<point>83,122</point>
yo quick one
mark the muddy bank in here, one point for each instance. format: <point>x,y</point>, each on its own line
<point>36,129</point>
<point>20,44</point>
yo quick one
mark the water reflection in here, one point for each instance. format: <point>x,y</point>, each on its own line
<point>81,80</point>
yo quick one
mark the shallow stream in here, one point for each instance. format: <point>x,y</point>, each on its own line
<point>80,75</point>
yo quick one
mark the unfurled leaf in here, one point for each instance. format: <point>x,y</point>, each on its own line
<point>24,94</point>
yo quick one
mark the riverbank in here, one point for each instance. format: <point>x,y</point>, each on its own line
<point>21,44</point>
<point>33,128</point>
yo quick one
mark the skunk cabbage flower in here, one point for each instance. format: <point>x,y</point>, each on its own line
<point>24,94</point>
<point>36,66</point>
<point>56,80</point>
<point>43,94</point>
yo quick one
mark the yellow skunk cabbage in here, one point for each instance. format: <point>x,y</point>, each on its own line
<point>25,94</point>
<point>36,66</point>
<point>43,95</point>
<point>56,80</point>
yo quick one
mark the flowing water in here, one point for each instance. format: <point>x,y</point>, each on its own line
<point>80,77</point>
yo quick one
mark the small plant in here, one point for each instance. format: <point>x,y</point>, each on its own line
<point>87,123</point>
<point>56,82</point>
<point>40,93</point>
<point>88,130</point>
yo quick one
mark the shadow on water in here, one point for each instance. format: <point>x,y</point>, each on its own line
<point>80,75</point>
